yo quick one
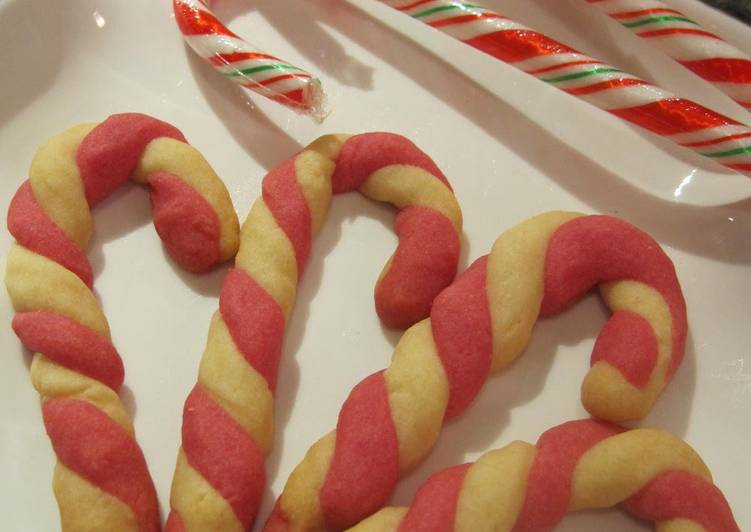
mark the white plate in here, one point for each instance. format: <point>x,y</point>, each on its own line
<point>508,158</point>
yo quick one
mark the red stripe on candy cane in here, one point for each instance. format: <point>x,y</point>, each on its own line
<point>549,482</point>
<point>681,495</point>
<point>366,447</point>
<point>34,230</point>
<point>715,141</point>
<point>606,85</point>
<point>434,508</point>
<point>208,431</point>
<point>642,12</point>
<point>414,4</point>
<point>670,117</point>
<point>672,31</point>
<point>729,70</point>
<point>90,443</point>
<point>517,45</point>
<point>563,65</point>
<point>255,322</point>
<point>197,22</point>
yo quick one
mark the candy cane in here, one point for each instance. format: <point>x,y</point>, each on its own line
<point>699,50</point>
<point>228,417</point>
<point>234,58</point>
<point>575,466</point>
<point>483,321</point>
<point>101,476</point>
<point>685,122</point>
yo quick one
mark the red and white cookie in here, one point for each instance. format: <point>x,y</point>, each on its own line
<point>101,480</point>
<point>483,321</point>
<point>228,417</point>
<point>578,465</point>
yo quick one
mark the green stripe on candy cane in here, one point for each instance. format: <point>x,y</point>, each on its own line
<point>654,20</point>
<point>582,74</point>
<point>253,70</point>
<point>445,8</point>
<point>728,153</point>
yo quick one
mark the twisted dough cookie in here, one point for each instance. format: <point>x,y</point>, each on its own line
<point>101,481</point>
<point>483,321</point>
<point>228,417</point>
<point>578,465</point>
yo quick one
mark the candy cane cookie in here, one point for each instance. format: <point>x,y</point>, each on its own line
<point>101,481</point>
<point>578,465</point>
<point>482,322</point>
<point>228,416</point>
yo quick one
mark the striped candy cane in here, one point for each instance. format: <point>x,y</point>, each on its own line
<point>101,481</point>
<point>482,322</point>
<point>699,50</point>
<point>578,465</point>
<point>244,64</point>
<point>635,100</point>
<point>228,417</point>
